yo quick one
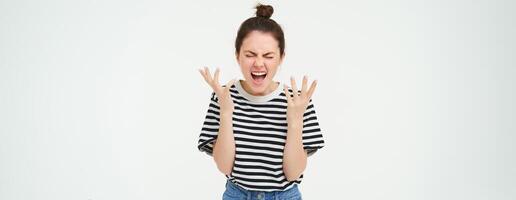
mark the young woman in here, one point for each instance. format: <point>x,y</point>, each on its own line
<point>260,137</point>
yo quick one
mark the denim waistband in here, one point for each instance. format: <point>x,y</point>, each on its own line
<point>292,191</point>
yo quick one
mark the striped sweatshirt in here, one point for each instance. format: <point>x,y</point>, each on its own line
<point>260,131</point>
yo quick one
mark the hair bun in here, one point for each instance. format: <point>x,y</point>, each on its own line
<point>264,11</point>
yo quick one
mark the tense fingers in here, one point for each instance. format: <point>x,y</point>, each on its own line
<point>312,89</point>
<point>304,85</point>
<point>208,75</point>
<point>204,75</point>
<point>216,77</point>
<point>205,72</point>
<point>294,87</point>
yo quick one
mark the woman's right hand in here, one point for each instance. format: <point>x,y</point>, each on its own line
<point>223,93</point>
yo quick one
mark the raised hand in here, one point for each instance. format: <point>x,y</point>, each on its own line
<point>223,93</point>
<point>297,104</point>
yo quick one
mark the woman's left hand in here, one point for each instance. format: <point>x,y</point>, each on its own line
<point>297,104</point>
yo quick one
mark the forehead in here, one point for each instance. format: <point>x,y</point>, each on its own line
<point>260,42</point>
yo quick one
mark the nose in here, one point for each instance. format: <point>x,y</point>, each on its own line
<point>259,63</point>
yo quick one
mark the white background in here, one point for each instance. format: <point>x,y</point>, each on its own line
<point>103,100</point>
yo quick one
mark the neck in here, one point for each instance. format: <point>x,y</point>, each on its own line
<point>270,88</point>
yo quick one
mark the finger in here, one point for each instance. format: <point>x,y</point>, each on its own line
<point>203,73</point>
<point>304,85</point>
<point>208,75</point>
<point>287,94</point>
<point>294,87</point>
<point>312,89</point>
<point>216,77</point>
<point>230,83</point>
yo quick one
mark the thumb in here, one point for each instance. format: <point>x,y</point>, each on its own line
<point>230,83</point>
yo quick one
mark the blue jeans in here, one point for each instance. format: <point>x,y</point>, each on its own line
<point>235,192</point>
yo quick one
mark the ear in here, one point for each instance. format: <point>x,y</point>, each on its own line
<point>236,56</point>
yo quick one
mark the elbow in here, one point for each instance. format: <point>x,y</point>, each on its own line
<point>224,169</point>
<point>223,166</point>
<point>291,175</point>
<point>291,178</point>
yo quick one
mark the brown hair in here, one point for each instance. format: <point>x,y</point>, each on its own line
<point>262,22</point>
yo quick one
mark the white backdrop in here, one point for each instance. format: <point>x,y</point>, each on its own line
<point>103,100</point>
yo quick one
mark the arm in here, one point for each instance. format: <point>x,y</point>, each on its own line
<point>224,147</point>
<point>294,156</point>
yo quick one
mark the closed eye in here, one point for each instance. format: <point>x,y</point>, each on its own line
<point>253,56</point>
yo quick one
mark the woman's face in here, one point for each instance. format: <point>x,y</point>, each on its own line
<point>259,58</point>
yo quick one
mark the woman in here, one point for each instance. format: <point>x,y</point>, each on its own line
<point>259,137</point>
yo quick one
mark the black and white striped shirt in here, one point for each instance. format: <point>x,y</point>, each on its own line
<point>259,129</point>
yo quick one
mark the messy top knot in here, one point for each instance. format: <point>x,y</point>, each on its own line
<point>264,11</point>
<point>262,22</point>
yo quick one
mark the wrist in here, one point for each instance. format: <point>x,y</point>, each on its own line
<point>295,123</point>
<point>226,113</point>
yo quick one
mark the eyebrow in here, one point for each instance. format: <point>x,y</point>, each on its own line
<point>255,53</point>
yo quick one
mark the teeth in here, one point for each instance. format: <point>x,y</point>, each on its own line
<point>258,73</point>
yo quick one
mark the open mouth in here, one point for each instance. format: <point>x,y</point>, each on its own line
<point>258,76</point>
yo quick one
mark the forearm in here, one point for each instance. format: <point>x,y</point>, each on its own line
<point>294,156</point>
<point>224,147</point>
